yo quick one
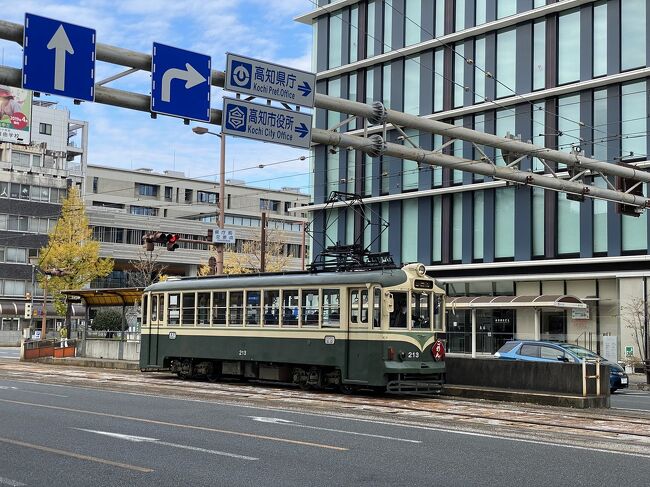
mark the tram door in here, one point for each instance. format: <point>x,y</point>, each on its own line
<point>357,342</point>
<point>157,301</point>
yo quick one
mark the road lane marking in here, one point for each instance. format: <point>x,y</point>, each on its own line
<point>75,455</point>
<point>31,392</point>
<point>176,425</point>
<point>287,422</point>
<point>13,483</point>
<point>139,439</point>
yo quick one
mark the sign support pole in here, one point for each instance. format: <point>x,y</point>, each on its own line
<point>222,200</point>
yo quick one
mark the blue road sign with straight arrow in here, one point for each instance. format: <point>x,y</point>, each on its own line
<point>268,80</point>
<point>58,58</point>
<point>180,83</point>
<point>266,123</point>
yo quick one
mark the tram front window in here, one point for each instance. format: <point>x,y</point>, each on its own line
<point>421,310</point>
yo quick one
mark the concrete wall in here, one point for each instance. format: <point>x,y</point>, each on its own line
<point>109,349</point>
<point>9,338</point>
<point>550,377</point>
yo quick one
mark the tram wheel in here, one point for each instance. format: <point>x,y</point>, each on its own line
<point>185,371</point>
<point>347,389</point>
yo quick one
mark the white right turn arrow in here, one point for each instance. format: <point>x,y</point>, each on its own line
<point>191,76</point>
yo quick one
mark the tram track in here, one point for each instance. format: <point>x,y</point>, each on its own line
<point>613,425</point>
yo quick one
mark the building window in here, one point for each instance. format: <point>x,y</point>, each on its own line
<point>538,131</point>
<point>505,124</point>
<point>147,189</point>
<point>410,230</point>
<point>413,21</point>
<point>438,79</point>
<point>633,34</point>
<point>634,119</point>
<point>539,55</point>
<point>188,195</point>
<point>568,124</point>
<point>506,8</point>
<point>333,89</point>
<point>410,169</point>
<point>479,69</point>
<point>600,130</point>
<point>169,193</point>
<point>207,197</point>
<point>478,224</point>
<point>436,227</point>
<point>506,62</point>
<point>538,222</point>
<point>45,128</point>
<point>504,223</point>
<point>459,74</point>
<point>386,86</point>
<point>270,205</point>
<point>459,20</point>
<point>335,38</point>
<point>354,34</point>
<point>480,12</point>
<point>568,225</point>
<point>457,227</point>
<point>95,184</point>
<point>144,210</point>
<point>412,85</point>
<point>568,47</point>
<point>371,33</point>
<point>20,159</point>
<point>440,17</point>
<point>600,39</point>
<point>388,26</point>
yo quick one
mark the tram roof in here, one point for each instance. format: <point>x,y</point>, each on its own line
<point>385,277</point>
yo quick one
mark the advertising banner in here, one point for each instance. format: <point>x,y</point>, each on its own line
<point>15,115</point>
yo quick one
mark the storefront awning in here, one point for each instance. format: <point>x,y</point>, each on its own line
<point>108,297</point>
<point>551,301</point>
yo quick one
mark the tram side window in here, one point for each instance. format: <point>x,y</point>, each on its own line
<point>400,311</point>
<point>219,308</point>
<point>271,308</point>
<point>290,304</point>
<point>236,308</point>
<point>420,310</point>
<point>161,307</point>
<point>253,308</point>
<point>376,308</point>
<point>331,308</point>
<point>438,315</point>
<point>203,308</point>
<point>189,300</point>
<point>145,310</point>
<point>154,308</point>
<point>174,309</point>
<point>310,306</point>
<point>359,306</point>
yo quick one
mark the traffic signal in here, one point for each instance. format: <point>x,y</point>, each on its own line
<point>29,309</point>
<point>172,238</point>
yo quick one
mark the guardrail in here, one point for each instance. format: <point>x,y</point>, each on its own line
<point>33,349</point>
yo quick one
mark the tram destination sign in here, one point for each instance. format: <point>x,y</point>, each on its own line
<point>266,123</point>
<point>268,80</point>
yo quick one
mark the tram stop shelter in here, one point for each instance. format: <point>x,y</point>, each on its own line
<point>536,303</point>
<point>102,298</point>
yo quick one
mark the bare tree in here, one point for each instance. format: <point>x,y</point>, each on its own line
<point>146,269</point>
<point>634,314</point>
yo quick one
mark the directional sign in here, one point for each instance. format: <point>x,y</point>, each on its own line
<point>266,123</point>
<point>221,235</point>
<point>58,58</point>
<point>180,83</point>
<point>268,80</point>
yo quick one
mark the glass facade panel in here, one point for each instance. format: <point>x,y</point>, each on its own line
<point>370,86</point>
<point>506,62</point>
<point>505,124</point>
<point>457,151</point>
<point>412,82</point>
<point>333,89</point>
<point>478,224</point>
<point>351,167</point>
<point>568,47</point>
<point>367,175</point>
<point>437,170</point>
<point>410,169</point>
<point>634,120</point>
<point>538,222</point>
<point>568,123</point>
<point>386,85</point>
<point>504,222</point>
<point>600,220</point>
<point>538,131</point>
<point>568,225</point>
<point>599,133</point>
<point>539,55</point>
<point>413,21</point>
<point>436,227</point>
<point>457,227</point>
<point>384,234</point>
<point>335,38</point>
<point>459,19</point>
<point>388,26</point>
<point>438,80</point>
<point>440,18</point>
<point>479,69</point>
<point>371,33</point>
<point>332,176</point>
<point>331,227</point>
<point>506,8</point>
<point>480,12</point>
<point>410,230</point>
<point>600,39</point>
<point>459,74</point>
<point>635,231</point>
<point>633,34</point>
<point>354,34</point>
<point>479,126</point>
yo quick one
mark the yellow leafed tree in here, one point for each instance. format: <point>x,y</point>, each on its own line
<point>71,249</point>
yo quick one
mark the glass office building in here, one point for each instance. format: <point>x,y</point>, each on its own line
<point>571,75</point>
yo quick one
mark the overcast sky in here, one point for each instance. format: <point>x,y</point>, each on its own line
<point>262,29</point>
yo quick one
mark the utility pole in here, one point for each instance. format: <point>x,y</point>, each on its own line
<point>263,244</point>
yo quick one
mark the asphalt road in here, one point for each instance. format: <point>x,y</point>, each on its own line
<point>67,435</point>
<point>631,399</point>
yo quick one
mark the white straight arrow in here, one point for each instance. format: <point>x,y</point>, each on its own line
<point>191,76</point>
<point>144,439</point>
<point>61,45</point>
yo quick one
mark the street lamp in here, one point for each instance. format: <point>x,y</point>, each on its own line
<point>222,190</point>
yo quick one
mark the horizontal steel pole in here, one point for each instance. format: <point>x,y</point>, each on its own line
<point>500,172</point>
<point>105,95</point>
<point>455,132</point>
<point>109,54</point>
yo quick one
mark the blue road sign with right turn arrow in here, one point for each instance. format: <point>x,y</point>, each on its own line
<point>180,83</point>
<point>58,58</point>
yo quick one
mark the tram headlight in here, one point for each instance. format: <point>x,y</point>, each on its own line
<point>420,270</point>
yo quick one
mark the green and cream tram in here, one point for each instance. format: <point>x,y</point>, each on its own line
<point>377,328</point>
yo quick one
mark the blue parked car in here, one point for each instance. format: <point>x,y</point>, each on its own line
<point>538,351</point>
